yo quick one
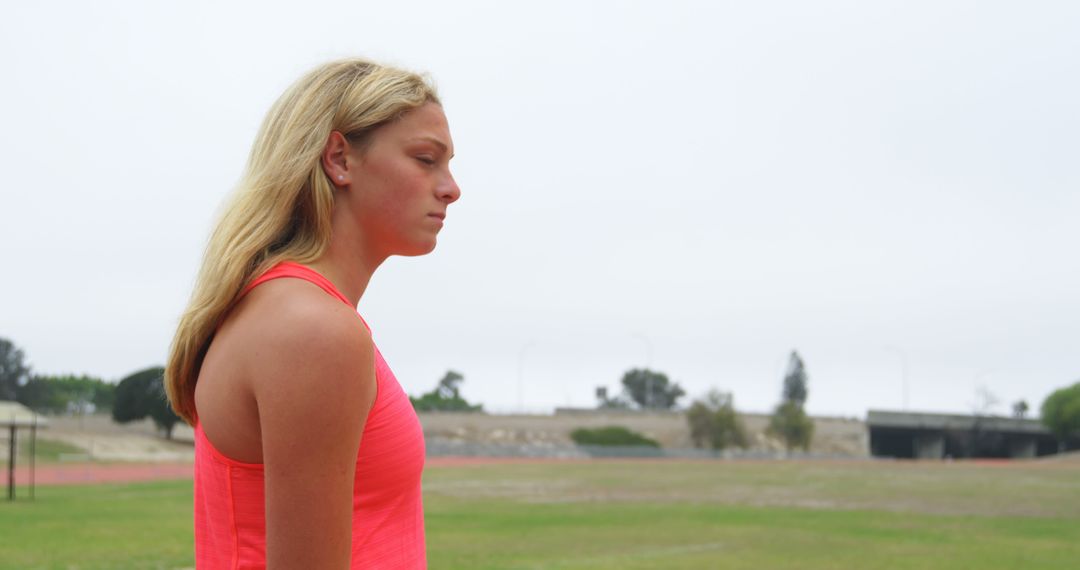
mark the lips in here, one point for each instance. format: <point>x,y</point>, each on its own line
<point>439,215</point>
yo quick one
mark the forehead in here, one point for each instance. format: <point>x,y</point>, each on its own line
<point>427,122</point>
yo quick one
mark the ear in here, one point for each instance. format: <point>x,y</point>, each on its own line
<point>334,159</point>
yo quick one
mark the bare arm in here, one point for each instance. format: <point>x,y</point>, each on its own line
<point>314,384</point>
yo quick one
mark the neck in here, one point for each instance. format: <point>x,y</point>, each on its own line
<point>348,266</point>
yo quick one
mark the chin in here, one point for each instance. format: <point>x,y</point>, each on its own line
<point>421,248</point>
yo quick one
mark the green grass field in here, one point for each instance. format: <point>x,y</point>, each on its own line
<point>634,515</point>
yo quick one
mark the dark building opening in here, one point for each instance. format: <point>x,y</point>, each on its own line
<point>937,436</point>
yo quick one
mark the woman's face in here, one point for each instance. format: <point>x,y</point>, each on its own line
<point>400,183</point>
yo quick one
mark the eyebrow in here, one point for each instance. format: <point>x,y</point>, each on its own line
<point>434,141</point>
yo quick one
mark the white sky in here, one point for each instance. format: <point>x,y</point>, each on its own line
<point>699,187</point>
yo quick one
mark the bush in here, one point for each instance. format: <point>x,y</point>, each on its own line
<point>611,435</point>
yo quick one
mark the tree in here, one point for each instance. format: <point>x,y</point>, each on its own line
<point>13,371</point>
<point>142,394</point>
<point>713,422</point>
<point>791,424</point>
<point>789,421</point>
<point>1020,409</point>
<point>650,390</point>
<point>1061,412</point>
<point>66,394</point>
<point>795,380</point>
<point>446,397</point>
<point>985,401</point>
<point>603,402</point>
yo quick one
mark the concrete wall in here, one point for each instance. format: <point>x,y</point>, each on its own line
<point>832,436</point>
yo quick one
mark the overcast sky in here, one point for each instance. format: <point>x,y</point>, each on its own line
<point>696,187</point>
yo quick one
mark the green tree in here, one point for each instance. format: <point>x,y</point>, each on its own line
<point>142,394</point>
<point>616,403</point>
<point>791,424</point>
<point>650,390</point>
<point>446,397</point>
<point>66,394</point>
<point>1020,409</point>
<point>603,402</point>
<point>714,422</point>
<point>14,372</point>
<point>795,380</point>
<point>1061,413</point>
<point>789,421</point>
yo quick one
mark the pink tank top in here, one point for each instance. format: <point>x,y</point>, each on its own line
<point>388,516</point>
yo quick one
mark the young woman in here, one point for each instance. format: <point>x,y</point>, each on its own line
<point>308,453</point>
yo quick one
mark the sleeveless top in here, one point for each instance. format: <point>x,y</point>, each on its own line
<point>388,516</point>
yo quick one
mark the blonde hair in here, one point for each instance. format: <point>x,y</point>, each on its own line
<point>281,208</point>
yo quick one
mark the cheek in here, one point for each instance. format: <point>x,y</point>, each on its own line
<point>393,203</point>
<point>405,195</point>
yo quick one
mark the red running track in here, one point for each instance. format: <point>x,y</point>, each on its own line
<point>91,473</point>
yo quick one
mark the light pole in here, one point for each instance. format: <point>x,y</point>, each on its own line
<point>903,371</point>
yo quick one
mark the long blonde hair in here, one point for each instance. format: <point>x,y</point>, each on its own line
<point>281,208</point>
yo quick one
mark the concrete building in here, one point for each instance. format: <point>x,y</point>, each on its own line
<point>937,436</point>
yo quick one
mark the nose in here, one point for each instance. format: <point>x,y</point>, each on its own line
<point>448,191</point>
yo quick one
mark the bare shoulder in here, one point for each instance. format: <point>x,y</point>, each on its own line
<point>287,346</point>
<point>301,342</point>
<point>311,368</point>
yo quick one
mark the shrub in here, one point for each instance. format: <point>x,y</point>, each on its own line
<point>611,435</point>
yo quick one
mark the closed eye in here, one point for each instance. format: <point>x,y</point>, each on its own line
<point>426,160</point>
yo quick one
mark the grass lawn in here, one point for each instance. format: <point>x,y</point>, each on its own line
<point>634,514</point>
<point>82,527</point>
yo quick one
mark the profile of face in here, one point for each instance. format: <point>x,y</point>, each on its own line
<point>395,189</point>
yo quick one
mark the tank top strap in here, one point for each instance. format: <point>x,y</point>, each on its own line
<point>297,271</point>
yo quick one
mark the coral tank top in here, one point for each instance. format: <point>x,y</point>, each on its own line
<point>388,516</point>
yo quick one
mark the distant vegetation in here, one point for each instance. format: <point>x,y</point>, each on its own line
<point>611,435</point>
<point>1061,412</point>
<point>789,422</point>
<point>59,394</point>
<point>714,422</point>
<point>67,394</point>
<point>14,372</point>
<point>643,389</point>
<point>446,397</point>
<point>142,394</point>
